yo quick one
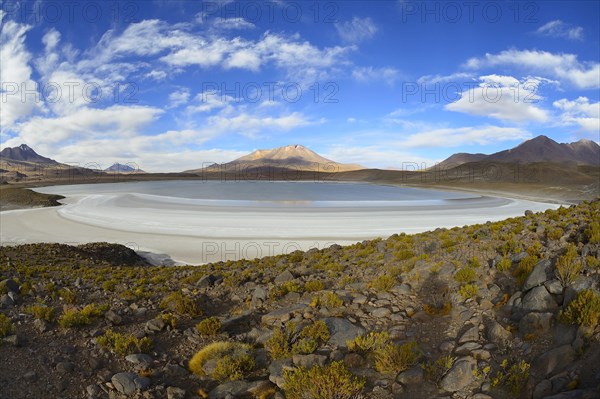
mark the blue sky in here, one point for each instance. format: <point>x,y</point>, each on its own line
<point>172,85</point>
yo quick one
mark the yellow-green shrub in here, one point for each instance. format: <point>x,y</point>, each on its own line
<point>468,291</point>
<point>42,312</point>
<point>568,267</point>
<point>584,310</point>
<point>76,318</point>
<point>6,325</point>
<point>525,267</point>
<point>330,300</point>
<point>314,286</point>
<point>124,344</point>
<point>393,358</point>
<point>333,381</point>
<point>370,342</point>
<point>504,264</point>
<point>466,275</point>
<point>513,377</point>
<point>384,282</point>
<point>234,360</point>
<point>209,327</point>
<point>181,304</point>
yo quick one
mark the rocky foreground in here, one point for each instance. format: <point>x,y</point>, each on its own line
<point>501,310</point>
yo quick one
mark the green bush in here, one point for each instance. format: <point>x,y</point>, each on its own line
<point>466,275</point>
<point>124,344</point>
<point>285,342</point>
<point>234,360</point>
<point>209,327</point>
<point>525,268</point>
<point>42,312</point>
<point>584,310</point>
<point>6,325</point>
<point>77,318</point>
<point>568,266</point>
<point>504,264</point>
<point>393,358</point>
<point>181,304</point>
<point>371,342</point>
<point>333,381</point>
<point>329,300</point>
<point>513,377</point>
<point>314,286</point>
<point>468,291</point>
<point>384,282</point>
<point>435,371</point>
<point>68,296</point>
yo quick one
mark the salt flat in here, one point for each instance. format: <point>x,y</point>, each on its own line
<point>197,223</point>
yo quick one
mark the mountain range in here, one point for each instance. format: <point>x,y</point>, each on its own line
<point>538,149</point>
<point>24,153</point>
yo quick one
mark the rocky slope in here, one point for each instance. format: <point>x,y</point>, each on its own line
<point>500,310</point>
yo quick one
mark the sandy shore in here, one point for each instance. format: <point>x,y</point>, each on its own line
<point>197,231</point>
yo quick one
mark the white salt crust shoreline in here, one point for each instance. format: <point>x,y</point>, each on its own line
<point>195,231</point>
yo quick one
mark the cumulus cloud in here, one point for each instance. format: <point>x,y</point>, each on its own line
<point>179,97</point>
<point>580,112</point>
<point>455,137</point>
<point>565,67</point>
<point>356,30</point>
<point>17,84</point>
<point>503,97</point>
<point>369,74</point>
<point>558,28</point>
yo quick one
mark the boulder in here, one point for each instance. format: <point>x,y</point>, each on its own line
<point>539,275</point>
<point>342,330</point>
<point>460,375</point>
<point>538,299</point>
<point>555,360</point>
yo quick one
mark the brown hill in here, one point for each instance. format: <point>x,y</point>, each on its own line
<point>293,157</point>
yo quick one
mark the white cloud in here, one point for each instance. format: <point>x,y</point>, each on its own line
<point>51,39</point>
<point>16,75</point>
<point>370,74</point>
<point>114,122</point>
<point>178,98</point>
<point>377,156</point>
<point>232,23</point>
<point>502,97</point>
<point>456,137</point>
<point>584,75</point>
<point>580,112</point>
<point>458,77</point>
<point>357,30</point>
<point>558,28</point>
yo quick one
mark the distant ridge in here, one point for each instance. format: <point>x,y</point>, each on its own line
<point>293,156</point>
<point>24,153</point>
<point>538,149</point>
<point>123,168</point>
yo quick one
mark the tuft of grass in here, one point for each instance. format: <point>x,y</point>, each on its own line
<point>77,318</point>
<point>6,325</point>
<point>234,360</point>
<point>393,358</point>
<point>584,310</point>
<point>285,342</point>
<point>333,381</point>
<point>384,282</point>
<point>209,327</point>
<point>568,266</point>
<point>437,370</point>
<point>466,275</point>
<point>369,343</point>
<point>513,377</point>
<point>124,344</point>
<point>525,268</point>
<point>68,296</point>
<point>468,291</point>
<point>329,300</point>
<point>42,312</point>
<point>181,304</point>
<point>505,264</point>
<point>314,286</point>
